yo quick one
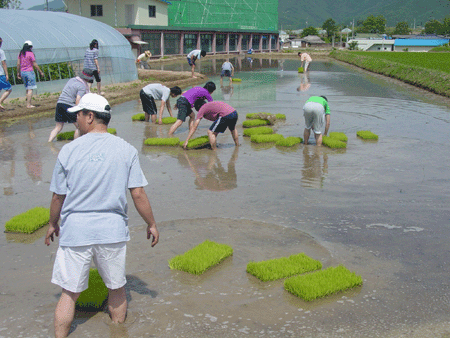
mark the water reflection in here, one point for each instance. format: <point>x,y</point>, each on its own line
<point>304,83</point>
<point>315,166</point>
<point>7,164</point>
<point>227,92</point>
<point>32,156</point>
<point>208,170</point>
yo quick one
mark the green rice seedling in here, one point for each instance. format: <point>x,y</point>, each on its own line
<point>138,117</point>
<point>235,79</point>
<point>266,138</point>
<point>94,297</point>
<point>367,135</point>
<point>112,131</point>
<point>201,257</point>
<point>333,143</point>
<point>168,120</point>
<point>283,267</point>
<point>68,135</point>
<point>197,142</point>
<point>265,116</point>
<point>322,283</point>
<point>289,141</point>
<point>168,141</point>
<point>255,123</point>
<point>339,136</point>
<point>28,221</point>
<point>300,69</point>
<point>280,116</point>
<point>258,130</point>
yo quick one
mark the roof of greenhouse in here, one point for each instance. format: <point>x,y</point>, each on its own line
<point>58,36</point>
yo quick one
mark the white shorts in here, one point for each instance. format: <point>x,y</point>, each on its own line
<point>314,114</point>
<point>72,264</point>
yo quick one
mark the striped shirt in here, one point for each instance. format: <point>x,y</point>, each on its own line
<point>89,56</point>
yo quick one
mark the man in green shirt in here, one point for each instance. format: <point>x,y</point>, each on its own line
<point>317,113</point>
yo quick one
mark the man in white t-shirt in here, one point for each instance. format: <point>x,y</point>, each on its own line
<point>227,70</point>
<point>156,91</point>
<point>89,183</point>
<point>193,56</point>
<point>143,59</point>
<point>4,78</point>
<point>306,59</point>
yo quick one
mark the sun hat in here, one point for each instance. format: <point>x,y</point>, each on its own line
<point>92,102</point>
<point>87,74</point>
<point>29,43</point>
<point>148,53</point>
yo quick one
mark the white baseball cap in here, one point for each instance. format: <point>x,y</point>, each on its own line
<point>29,43</point>
<point>92,102</point>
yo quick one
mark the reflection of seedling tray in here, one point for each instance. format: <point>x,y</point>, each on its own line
<point>333,143</point>
<point>259,115</point>
<point>201,257</point>
<point>29,221</point>
<point>69,135</point>
<point>367,135</point>
<point>300,69</point>
<point>258,131</point>
<point>339,136</point>
<point>168,120</point>
<point>266,138</point>
<point>94,297</point>
<point>255,123</point>
<point>197,142</point>
<point>235,79</point>
<point>289,141</point>
<point>273,269</point>
<point>322,283</point>
<point>138,117</point>
<point>156,141</point>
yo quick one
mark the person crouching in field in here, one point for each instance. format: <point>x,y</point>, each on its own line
<point>156,91</point>
<point>193,56</point>
<point>223,116</point>
<point>227,70</point>
<point>186,102</point>
<point>317,113</point>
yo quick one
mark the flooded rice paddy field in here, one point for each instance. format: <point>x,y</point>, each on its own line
<point>379,208</point>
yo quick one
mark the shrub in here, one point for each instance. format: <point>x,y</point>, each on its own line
<point>197,142</point>
<point>258,130</point>
<point>255,123</point>
<point>333,143</point>
<point>322,283</point>
<point>29,221</point>
<point>201,257</point>
<point>169,141</point>
<point>266,138</point>
<point>169,120</point>
<point>339,136</point>
<point>94,297</point>
<point>273,269</point>
<point>367,135</point>
<point>289,141</point>
<point>138,117</point>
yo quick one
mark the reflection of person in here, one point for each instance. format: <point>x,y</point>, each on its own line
<point>317,113</point>
<point>186,101</point>
<point>156,91</point>
<point>4,77</point>
<point>70,96</point>
<point>304,83</point>
<point>227,70</point>
<point>142,60</point>
<point>91,62</point>
<point>89,185</point>
<point>7,164</point>
<point>314,170</point>
<point>306,59</point>
<point>227,92</point>
<point>193,56</point>
<point>32,156</point>
<point>223,116</point>
<point>26,61</point>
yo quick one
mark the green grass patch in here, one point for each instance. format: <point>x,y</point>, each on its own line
<point>138,117</point>
<point>339,136</point>
<point>28,221</point>
<point>266,138</point>
<point>197,142</point>
<point>201,257</point>
<point>322,283</point>
<point>367,135</point>
<point>156,141</point>
<point>255,123</point>
<point>300,69</point>
<point>235,79</point>
<point>258,131</point>
<point>274,269</point>
<point>168,120</point>
<point>333,143</point>
<point>289,141</point>
<point>94,297</point>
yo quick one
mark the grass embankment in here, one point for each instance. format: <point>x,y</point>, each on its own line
<point>428,71</point>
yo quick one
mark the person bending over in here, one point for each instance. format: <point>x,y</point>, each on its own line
<point>193,56</point>
<point>317,113</point>
<point>156,91</point>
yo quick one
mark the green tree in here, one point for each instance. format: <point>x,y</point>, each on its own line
<point>374,24</point>
<point>309,31</point>
<point>10,4</point>
<point>330,26</point>
<point>402,28</point>
<point>433,27</point>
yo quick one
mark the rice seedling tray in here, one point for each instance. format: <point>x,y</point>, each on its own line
<point>138,117</point>
<point>255,123</point>
<point>289,141</point>
<point>258,131</point>
<point>367,135</point>
<point>266,138</point>
<point>94,297</point>
<point>333,143</point>
<point>157,141</point>
<point>28,221</point>
<point>339,136</point>
<point>168,120</point>
<point>198,142</point>
<point>70,135</point>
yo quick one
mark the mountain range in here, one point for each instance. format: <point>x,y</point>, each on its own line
<point>295,14</point>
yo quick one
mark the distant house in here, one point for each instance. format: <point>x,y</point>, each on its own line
<point>412,43</point>
<point>307,41</point>
<point>120,13</point>
<point>419,44</point>
<point>373,44</point>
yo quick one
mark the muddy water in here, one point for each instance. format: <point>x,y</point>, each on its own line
<point>380,208</point>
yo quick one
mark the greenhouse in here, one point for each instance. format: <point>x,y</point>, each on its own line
<point>59,42</point>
